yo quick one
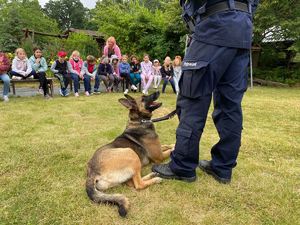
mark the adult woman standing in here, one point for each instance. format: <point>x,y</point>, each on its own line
<point>111,48</point>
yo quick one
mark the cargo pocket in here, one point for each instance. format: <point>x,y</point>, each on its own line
<point>191,82</point>
<point>183,137</point>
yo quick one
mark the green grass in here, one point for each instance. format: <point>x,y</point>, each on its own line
<point>45,146</point>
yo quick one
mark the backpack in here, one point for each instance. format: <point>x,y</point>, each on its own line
<point>4,63</point>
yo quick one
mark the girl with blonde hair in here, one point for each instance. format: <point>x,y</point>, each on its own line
<point>21,67</point>
<point>167,74</point>
<point>76,63</point>
<point>177,72</point>
<point>111,48</point>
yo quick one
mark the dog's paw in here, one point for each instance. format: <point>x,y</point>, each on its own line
<point>157,180</point>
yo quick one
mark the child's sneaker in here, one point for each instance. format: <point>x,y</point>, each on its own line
<point>76,94</point>
<point>97,91</point>
<point>61,92</point>
<point>133,87</point>
<point>5,98</point>
<point>126,91</point>
<point>47,97</point>
<point>40,91</point>
<point>16,78</point>
<point>87,93</point>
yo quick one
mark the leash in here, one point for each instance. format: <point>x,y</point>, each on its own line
<point>166,117</point>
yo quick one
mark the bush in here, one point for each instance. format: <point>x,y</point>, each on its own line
<point>86,45</point>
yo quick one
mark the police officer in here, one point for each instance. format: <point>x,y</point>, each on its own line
<point>214,67</point>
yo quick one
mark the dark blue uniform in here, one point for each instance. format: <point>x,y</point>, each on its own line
<point>214,67</point>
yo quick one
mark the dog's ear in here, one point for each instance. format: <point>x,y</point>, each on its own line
<point>129,97</point>
<point>127,103</point>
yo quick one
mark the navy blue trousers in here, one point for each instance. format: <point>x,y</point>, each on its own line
<point>220,73</point>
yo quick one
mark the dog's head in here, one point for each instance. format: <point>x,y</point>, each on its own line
<point>142,107</point>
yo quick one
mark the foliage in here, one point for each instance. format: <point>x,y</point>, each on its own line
<point>16,15</point>
<point>279,74</point>
<point>67,13</point>
<point>139,30</point>
<point>86,45</point>
<point>283,15</point>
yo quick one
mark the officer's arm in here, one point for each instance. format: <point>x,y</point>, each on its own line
<point>254,5</point>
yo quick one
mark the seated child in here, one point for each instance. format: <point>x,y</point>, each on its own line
<point>135,72</point>
<point>147,73</point>
<point>125,72</point>
<point>62,69</point>
<point>156,73</point>
<point>116,71</point>
<point>76,63</point>
<point>4,67</point>
<point>89,72</point>
<point>39,68</point>
<point>105,73</point>
<point>167,74</point>
<point>21,67</point>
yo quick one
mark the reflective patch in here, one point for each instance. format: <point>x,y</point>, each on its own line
<point>190,64</point>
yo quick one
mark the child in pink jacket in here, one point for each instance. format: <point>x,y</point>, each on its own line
<point>76,63</point>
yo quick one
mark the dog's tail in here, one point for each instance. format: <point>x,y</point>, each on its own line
<point>99,197</point>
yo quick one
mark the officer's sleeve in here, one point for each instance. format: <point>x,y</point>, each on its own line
<point>254,5</point>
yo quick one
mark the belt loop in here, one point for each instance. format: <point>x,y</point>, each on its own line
<point>231,4</point>
<point>250,6</point>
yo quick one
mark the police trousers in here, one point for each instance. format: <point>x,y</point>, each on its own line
<point>217,72</point>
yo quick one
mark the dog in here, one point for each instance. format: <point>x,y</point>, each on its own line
<point>121,160</point>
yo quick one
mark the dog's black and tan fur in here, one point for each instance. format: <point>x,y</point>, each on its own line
<point>121,161</point>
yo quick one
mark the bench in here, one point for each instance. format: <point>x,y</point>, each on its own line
<point>122,81</point>
<point>13,83</point>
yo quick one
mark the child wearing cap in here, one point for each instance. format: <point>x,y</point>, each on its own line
<point>156,73</point>
<point>62,69</point>
<point>89,72</point>
<point>76,63</point>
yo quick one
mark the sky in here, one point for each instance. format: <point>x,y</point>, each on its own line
<point>87,3</point>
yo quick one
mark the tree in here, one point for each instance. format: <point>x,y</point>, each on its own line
<point>67,13</point>
<point>18,14</point>
<point>271,14</point>
<point>140,30</point>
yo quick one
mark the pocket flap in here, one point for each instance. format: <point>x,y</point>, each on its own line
<point>183,132</point>
<point>193,65</point>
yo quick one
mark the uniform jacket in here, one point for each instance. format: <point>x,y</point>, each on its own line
<point>230,28</point>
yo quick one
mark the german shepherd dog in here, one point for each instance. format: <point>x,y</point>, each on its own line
<point>121,161</point>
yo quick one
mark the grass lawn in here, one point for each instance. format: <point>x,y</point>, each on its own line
<point>45,146</point>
